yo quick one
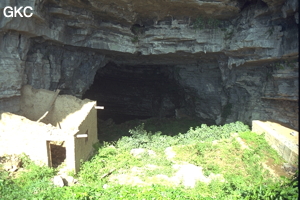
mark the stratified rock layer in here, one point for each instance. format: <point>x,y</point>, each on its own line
<point>225,60</point>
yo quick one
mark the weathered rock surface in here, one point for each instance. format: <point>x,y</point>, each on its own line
<point>229,60</point>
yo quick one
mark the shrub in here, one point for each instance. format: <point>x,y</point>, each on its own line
<point>202,22</point>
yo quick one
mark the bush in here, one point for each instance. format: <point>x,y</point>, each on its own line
<point>210,133</point>
<point>30,183</point>
<point>201,22</point>
<point>241,169</point>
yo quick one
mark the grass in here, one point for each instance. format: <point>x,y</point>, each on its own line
<point>210,147</point>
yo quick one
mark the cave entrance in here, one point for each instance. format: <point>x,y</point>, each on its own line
<point>135,92</point>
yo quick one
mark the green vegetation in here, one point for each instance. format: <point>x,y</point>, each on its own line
<point>135,39</point>
<point>270,31</point>
<point>211,147</point>
<point>228,35</point>
<point>202,23</point>
<point>137,29</point>
<point>285,64</point>
<point>279,65</point>
<point>166,126</point>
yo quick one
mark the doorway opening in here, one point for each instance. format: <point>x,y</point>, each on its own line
<point>57,153</point>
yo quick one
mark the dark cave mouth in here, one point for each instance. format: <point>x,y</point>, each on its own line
<point>135,92</point>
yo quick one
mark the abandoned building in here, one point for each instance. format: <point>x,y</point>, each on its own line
<point>50,128</point>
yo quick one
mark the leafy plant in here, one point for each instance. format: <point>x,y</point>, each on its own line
<point>260,145</point>
<point>291,64</point>
<point>279,65</point>
<point>135,39</point>
<point>213,23</point>
<point>201,23</point>
<point>210,147</point>
<point>228,35</point>
<point>285,64</point>
<point>270,31</point>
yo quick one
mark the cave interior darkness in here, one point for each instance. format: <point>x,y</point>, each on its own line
<point>130,92</point>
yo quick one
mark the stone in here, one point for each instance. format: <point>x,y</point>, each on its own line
<point>105,186</point>
<point>140,151</point>
<point>11,163</point>
<point>189,174</point>
<point>58,181</point>
<point>170,153</point>
<point>289,168</point>
<point>69,180</point>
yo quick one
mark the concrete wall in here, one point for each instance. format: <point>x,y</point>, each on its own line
<point>278,138</point>
<point>68,112</point>
<point>34,102</point>
<point>19,134</point>
<point>84,146</point>
<point>68,117</point>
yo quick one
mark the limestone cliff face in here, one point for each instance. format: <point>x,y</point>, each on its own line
<point>228,59</point>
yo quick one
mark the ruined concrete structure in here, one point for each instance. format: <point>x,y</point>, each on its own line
<point>70,125</point>
<point>284,140</point>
